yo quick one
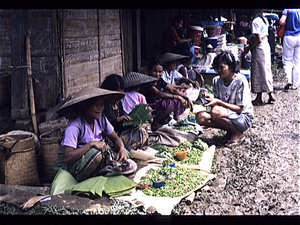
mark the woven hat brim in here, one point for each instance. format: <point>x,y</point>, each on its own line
<point>133,79</point>
<point>78,101</point>
<point>168,57</point>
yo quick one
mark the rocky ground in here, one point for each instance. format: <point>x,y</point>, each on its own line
<point>259,177</point>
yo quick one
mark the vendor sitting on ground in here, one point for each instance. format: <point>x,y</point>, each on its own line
<point>132,86</point>
<point>84,152</point>
<point>163,98</point>
<point>133,137</point>
<point>170,74</point>
<point>186,70</point>
<point>115,112</point>
<point>231,107</point>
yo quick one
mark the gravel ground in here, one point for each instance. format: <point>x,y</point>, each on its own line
<point>259,177</point>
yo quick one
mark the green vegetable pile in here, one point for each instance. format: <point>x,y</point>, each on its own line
<point>194,149</point>
<point>185,128</point>
<point>180,182</point>
<point>192,116</point>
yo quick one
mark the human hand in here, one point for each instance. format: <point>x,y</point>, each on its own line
<point>191,105</point>
<point>100,145</point>
<point>125,118</point>
<point>246,50</point>
<point>121,155</point>
<point>196,84</point>
<point>213,102</point>
<point>194,40</point>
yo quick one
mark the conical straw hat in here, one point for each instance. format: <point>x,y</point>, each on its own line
<point>133,79</point>
<point>78,101</point>
<point>168,57</point>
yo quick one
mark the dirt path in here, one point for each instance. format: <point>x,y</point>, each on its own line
<point>260,177</point>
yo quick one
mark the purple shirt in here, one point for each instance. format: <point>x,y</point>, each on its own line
<point>78,132</point>
<point>131,100</point>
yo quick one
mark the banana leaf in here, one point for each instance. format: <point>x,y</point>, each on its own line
<point>62,182</point>
<point>90,187</point>
<point>118,185</point>
<point>140,115</point>
<point>120,193</point>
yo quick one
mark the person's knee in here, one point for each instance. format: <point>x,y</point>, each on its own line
<point>98,159</point>
<point>200,118</point>
<point>216,113</point>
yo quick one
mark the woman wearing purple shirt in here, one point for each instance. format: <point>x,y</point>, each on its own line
<point>84,150</point>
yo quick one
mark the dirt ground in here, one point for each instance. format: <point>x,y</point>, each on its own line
<point>259,177</point>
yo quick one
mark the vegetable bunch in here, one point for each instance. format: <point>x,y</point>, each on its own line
<point>194,150</point>
<point>183,181</point>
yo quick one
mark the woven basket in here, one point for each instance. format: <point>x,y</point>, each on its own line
<point>50,144</point>
<point>18,163</point>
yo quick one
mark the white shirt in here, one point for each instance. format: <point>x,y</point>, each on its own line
<point>170,78</point>
<point>259,27</point>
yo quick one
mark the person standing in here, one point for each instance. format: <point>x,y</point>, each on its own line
<point>291,47</point>
<point>243,25</point>
<point>261,73</point>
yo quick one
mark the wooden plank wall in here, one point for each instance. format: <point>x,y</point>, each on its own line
<point>45,70</point>
<point>44,56</point>
<point>92,47</point>
<point>5,40</point>
<point>81,48</point>
<point>5,61</point>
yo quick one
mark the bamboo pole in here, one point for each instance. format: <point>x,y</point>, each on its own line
<point>30,85</point>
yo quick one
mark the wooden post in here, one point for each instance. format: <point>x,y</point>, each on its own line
<point>30,85</point>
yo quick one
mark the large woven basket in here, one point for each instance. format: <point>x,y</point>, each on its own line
<point>50,144</point>
<point>18,163</point>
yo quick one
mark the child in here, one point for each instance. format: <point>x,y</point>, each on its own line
<point>163,98</point>
<point>132,86</point>
<point>115,112</point>
<point>170,74</point>
<point>185,68</point>
<point>231,107</point>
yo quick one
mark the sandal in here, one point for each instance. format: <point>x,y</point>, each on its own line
<point>257,102</point>
<point>226,137</point>
<point>234,143</point>
<point>293,87</point>
<point>290,86</point>
<point>287,87</point>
